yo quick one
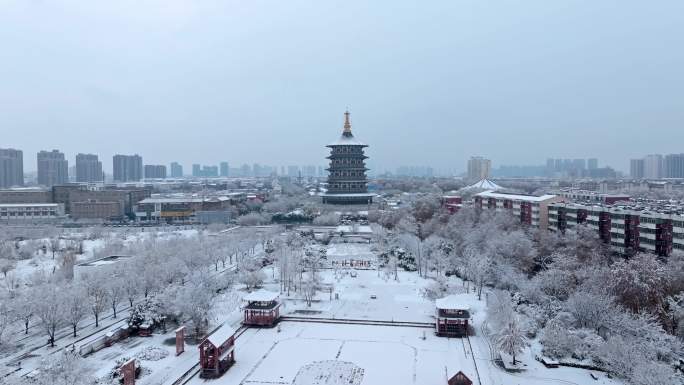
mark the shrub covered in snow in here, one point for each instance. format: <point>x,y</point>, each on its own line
<point>152,353</point>
<point>435,289</point>
<point>147,311</point>
<point>405,260</point>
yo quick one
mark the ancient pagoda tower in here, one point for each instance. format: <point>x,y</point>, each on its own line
<point>347,184</point>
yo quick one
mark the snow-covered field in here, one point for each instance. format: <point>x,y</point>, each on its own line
<point>394,300</point>
<point>387,355</point>
<point>348,251</point>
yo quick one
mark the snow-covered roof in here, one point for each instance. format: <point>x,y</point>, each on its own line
<point>171,200</point>
<point>347,140</point>
<point>261,296</point>
<point>12,205</point>
<point>349,195</point>
<point>484,184</point>
<point>527,198</point>
<point>454,301</point>
<point>220,336</point>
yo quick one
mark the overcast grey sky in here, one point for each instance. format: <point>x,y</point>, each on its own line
<point>427,82</point>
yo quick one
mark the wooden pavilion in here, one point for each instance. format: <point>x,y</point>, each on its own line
<point>217,352</point>
<point>262,309</point>
<point>451,315</point>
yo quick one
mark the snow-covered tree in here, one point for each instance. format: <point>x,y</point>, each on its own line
<point>25,307</point>
<point>250,274</point>
<point>115,292</point>
<point>500,309</point>
<point>478,268</point>
<point>327,219</point>
<point>556,340</point>
<point>149,310</point>
<point>96,292</point>
<point>413,244</point>
<point>54,245</point>
<point>591,310</point>
<point>64,368</point>
<point>74,299</point>
<point>7,265</point>
<point>436,289</point>
<point>640,283</point>
<point>49,310</point>
<point>11,282</point>
<point>310,286</point>
<point>6,314</point>
<point>194,300</point>
<point>654,373</point>
<point>130,282</point>
<point>511,338</point>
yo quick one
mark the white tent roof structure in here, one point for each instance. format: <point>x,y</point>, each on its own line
<point>484,184</point>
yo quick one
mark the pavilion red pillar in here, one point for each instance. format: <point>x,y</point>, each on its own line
<point>180,340</point>
<point>128,370</point>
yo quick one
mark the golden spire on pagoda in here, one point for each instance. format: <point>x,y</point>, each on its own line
<point>347,124</point>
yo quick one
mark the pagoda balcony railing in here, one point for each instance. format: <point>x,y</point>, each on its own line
<point>346,156</point>
<point>347,191</point>
<point>347,178</point>
<point>346,167</point>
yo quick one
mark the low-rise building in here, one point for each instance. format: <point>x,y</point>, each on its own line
<point>93,209</point>
<point>30,212</point>
<point>653,227</point>
<point>25,195</point>
<point>592,196</point>
<point>168,209</point>
<point>188,208</point>
<point>531,209</point>
<point>452,203</point>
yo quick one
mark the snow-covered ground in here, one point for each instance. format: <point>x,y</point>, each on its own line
<point>307,353</point>
<point>347,251</point>
<point>387,355</point>
<point>394,300</point>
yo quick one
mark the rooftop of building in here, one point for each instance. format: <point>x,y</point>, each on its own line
<point>484,184</point>
<point>16,205</point>
<point>520,197</point>
<point>576,191</point>
<point>347,138</point>
<point>636,206</point>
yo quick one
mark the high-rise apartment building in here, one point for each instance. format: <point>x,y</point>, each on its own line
<point>88,168</point>
<point>53,168</point>
<point>592,163</point>
<point>479,168</point>
<point>637,168</point>
<point>155,171</point>
<point>176,170</point>
<point>674,166</point>
<point>293,171</point>
<point>128,168</point>
<point>196,170</point>
<point>653,166</point>
<point>11,167</point>
<point>225,169</point>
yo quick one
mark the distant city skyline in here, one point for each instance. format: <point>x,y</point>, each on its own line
<point>401,169</point>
